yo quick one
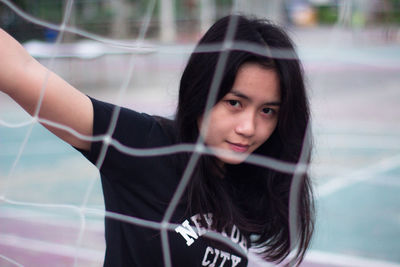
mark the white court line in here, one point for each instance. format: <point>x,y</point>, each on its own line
<point>10,260</point>
<point>345,180</point>
<point>43,219</point>
<point>38,148</point>
<point>391,142</point>
<point>388,181</point>
<point>319,257</point>
<point>349,127</point>
<point>51,248</point>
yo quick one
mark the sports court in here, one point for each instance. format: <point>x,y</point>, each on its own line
<point>50,196</point>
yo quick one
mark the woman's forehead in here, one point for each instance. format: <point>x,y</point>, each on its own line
<point>254,82</point>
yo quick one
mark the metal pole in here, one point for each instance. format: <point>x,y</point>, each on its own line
<point>207,14</point>
<point>167,25</point>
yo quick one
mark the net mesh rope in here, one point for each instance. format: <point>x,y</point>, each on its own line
<point>199,148</point>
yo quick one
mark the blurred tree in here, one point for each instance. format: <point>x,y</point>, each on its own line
<point>17,26</point>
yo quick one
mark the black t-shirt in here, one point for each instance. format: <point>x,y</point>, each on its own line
<point>142,187</point>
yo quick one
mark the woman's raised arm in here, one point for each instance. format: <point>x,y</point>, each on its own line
<point>22,78</point>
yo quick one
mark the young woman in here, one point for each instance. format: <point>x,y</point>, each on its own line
<point>260,108</point>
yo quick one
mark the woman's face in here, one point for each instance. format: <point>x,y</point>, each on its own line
<point>245,117</point>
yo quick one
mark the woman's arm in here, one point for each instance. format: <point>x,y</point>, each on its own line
<point>22,78</point>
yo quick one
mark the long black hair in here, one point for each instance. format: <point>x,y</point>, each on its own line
<point>255,199</point>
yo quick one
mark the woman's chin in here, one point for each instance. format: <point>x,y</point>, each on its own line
<point>231,157</point>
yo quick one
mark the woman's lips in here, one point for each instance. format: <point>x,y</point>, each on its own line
<point>240,148</point>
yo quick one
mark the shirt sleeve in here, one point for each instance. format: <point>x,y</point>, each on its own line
<point>129,128</point>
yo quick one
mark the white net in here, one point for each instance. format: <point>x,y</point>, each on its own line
<point>51,203</point>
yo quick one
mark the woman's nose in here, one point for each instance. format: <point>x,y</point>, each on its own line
<point>246,124</point>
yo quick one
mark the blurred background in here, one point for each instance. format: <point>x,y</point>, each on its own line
<point>187,19</point>
<point>50,196</point>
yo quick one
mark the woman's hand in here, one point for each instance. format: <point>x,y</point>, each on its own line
<point>24,79</point>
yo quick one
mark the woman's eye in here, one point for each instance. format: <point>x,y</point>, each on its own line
<point>268,111</point>
<point>234,103</point>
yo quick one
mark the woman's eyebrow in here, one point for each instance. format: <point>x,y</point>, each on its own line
<point>243,96</point>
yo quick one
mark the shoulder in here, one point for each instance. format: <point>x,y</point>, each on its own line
<point>130,127</point>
